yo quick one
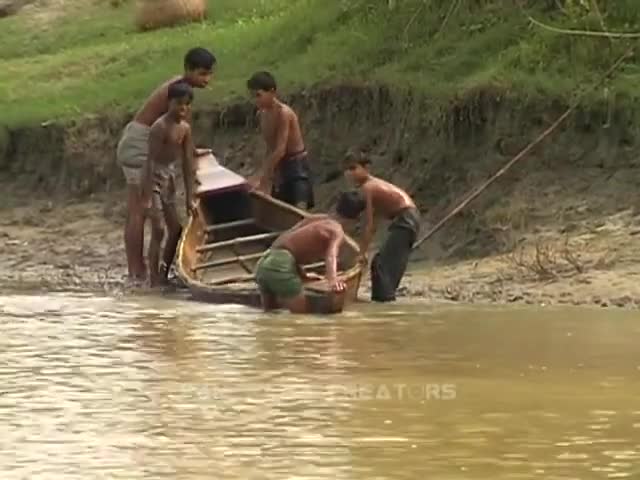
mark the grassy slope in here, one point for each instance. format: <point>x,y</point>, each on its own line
<point>88,58</point>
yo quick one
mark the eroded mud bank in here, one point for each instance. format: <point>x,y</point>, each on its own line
<point>561,227</point>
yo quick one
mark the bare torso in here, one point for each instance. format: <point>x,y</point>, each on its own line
<point>388,200</point>
<point>309,243</point>
<point>271,121</point>
<point>156,105</point>
<point>172,147</point>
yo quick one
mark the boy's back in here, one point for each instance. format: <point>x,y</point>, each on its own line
<point>310,242</point>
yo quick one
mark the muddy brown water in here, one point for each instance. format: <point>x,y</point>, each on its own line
<point>147,388</point>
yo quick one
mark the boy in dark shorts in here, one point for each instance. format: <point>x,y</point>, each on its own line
<point>285,173</point>
<point>133,150</point>
<point>280,273</point>
<point>169,139</point>
<point>378,198</point>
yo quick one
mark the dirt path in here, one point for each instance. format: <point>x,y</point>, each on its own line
<point>78,246</point>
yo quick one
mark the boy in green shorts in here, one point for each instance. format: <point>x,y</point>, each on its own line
<point>280,273</point>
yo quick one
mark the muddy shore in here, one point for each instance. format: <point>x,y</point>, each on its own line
<point>560,228</point>
<point>77,246</point>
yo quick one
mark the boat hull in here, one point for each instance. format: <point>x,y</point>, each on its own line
<point>231,229</point>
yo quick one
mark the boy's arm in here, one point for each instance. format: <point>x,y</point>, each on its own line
<point>188,167</point>
<point>370,225</point>
<point>331,257</point>
<point>281,146</point>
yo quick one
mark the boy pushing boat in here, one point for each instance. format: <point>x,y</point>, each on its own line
<point>285,173</point>
<point>378,199</point>
<point>169,139</point>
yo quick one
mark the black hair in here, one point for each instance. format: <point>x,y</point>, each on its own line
<point>199,57</point>
<point>180,89</point>
<point>262,81</point>
<point>351,204</point>
<point>356,158</point>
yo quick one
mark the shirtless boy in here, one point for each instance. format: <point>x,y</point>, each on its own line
<point>280,274</point>
<point>380,199</point>
<point>133,150</point>
<point>169,139</point>
<point>285,173</point>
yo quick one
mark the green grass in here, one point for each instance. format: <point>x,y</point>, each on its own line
<point>90,59</point>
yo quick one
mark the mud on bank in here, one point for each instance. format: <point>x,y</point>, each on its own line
<point>561,227</point>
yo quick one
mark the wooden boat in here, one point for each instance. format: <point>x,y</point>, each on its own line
<point>232,228</point>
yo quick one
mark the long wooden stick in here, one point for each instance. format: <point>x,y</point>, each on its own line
<point>223,226</point>
<point>238,241</point>
<point>473,194</point>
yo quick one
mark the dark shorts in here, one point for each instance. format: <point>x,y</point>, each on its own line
<point>390,263</point>
<point>293,183</point>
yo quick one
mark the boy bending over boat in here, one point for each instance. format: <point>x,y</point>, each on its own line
<point>169,138</point>
<point>133,149</point>
<point>285,174</point>
<point>280,272</point>
<point>380,199</point>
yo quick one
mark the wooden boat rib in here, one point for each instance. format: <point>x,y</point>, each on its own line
<point>231,230</point>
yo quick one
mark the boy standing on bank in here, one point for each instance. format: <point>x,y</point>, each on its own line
<point>285,173</point>
<point>380,199</point>
<point>169,139</point>
<point>133,149</point>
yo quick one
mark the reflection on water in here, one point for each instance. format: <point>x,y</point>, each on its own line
<point>159,389</point>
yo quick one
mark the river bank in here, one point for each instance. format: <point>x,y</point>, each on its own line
<point>76,245</point>
<point>441,95</point>
<point>561,227</point>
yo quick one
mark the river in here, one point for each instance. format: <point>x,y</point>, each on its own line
<point>148,388</point>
